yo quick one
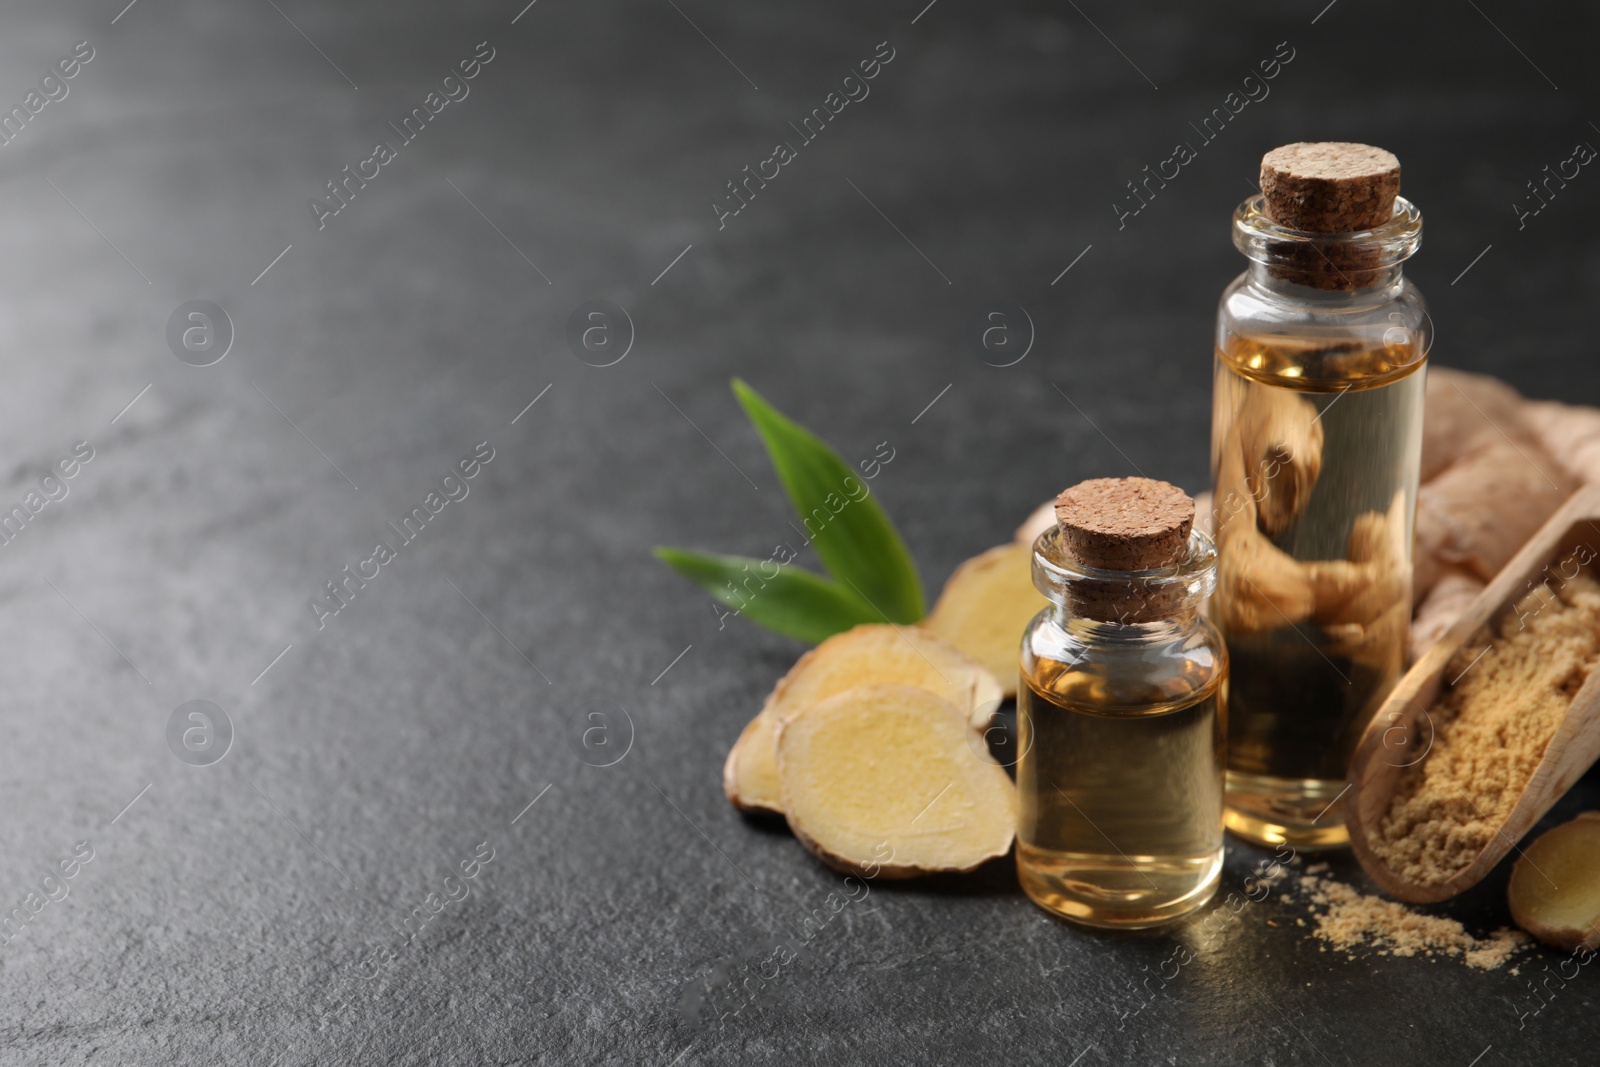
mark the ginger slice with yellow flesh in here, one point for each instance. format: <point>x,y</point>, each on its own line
<point>890,781</point>
<point>1554,891</point>
<point>986,605</point>
<point>872,653</point>
<point>1039,520</point>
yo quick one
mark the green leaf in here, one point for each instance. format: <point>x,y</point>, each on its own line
<point>795,602</point>
<point>853,537</point>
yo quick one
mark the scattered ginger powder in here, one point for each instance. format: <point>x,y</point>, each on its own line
<point>1490,730</point>
<point>1351,920</point>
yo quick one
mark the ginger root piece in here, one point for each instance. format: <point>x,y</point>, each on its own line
<point>1259,586</point>
<point>986,605</point>
<point>1373,578</point>
<point>1477,513</point>
<point>883,781</point>
<point>1280,442</point>
<point>1360,601</point>
<point>1342,590</point>
<point>1468,521</point>
<point>872,653</point>
<point>1554,891</point>
<point>1452,594</point>
<point>1038,521</point>
<point>1487,481</point>
<point>1462,413</point>
<point>1570,433</point>
<point>1372,623</point>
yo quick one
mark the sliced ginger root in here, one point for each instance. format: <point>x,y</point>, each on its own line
<point>1555,885</point>
<point>884,781</point>
<point>986,605</point>
<point>869,654</point>
<point>1039,520</point>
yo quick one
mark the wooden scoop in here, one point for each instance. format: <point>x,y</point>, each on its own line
<point>1400,734</point>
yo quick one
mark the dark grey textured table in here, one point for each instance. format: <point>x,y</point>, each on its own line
<point>246,911</point>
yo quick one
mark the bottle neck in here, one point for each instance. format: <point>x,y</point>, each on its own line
<point>1175,627</point>
<point>1375,286</point>
<point>1333,266</point>
<point>1124,605</point>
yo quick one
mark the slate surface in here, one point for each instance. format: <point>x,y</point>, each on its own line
<point>241,912</point>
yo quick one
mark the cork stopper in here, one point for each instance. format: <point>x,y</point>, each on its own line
<point>1329,186</point>
<point>1125,524</point>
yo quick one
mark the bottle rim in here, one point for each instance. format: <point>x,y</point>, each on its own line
<point>1264,241</point>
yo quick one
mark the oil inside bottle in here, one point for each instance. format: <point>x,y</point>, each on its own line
<point>1315,451</point>
<point>1125,833</point>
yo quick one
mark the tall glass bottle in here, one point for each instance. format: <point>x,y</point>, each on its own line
<point>1316,443</point>
<point>1122,716</point>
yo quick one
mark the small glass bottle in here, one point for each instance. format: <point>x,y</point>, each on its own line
<point>1316,445</point>
<point>1122,711</point>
